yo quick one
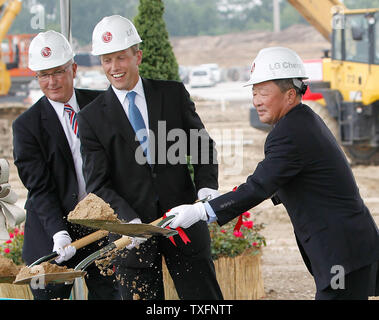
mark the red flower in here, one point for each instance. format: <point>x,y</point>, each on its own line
<point>8,241</point>
<point>248,224</point>
<point>22,233</point>
<point>223,231</point>
<point>246,214</point>
<point>255,244</point>
<point>238,234</point>
<point>11,235</point>
<point>6,250</point>
<point>16,231</point>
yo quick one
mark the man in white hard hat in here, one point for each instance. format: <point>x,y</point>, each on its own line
<point>47,156</point>
<point>305,169</point>
<point>126,173</point>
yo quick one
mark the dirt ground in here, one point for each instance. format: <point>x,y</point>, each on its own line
<point>284,272</point>
<point>238,49</point>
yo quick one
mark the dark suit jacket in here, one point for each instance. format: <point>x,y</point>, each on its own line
<point>306,169</point>
<point>45,165</point>
<point>134,190</point>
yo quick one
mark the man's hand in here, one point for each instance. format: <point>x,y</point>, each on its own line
<point>187,215</point>
<point>135,241</point>
<point>207,193</point>
<point>62,241</point>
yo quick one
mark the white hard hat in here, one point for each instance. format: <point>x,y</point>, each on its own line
<point>276,63</point>
<point>48,50</point>
<point>114,33</point>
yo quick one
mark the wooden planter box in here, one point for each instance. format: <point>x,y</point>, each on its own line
<point>240,278</point>
<point>15,291</point>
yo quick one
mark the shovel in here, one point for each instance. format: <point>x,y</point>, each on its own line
<point>121,243</point>
<point>80,243</point>
<point>146,230</point>
<point>141,230</point>
<point>45,278</point>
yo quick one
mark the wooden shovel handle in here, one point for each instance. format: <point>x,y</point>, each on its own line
<point>92,237</point>
<point>125,241</point>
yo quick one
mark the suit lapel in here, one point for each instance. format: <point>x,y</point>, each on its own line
<point>80,99</point>
<point>53,126</point>
<point>115,113</point>
<point>154,109</point>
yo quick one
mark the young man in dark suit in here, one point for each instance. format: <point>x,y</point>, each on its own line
<point>47,156</point>
<point>137,177</point>
<point>306,170</point>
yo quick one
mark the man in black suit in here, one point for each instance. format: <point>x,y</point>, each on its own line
<point>47,156</point>
<point>141,179</point>
<point>305,169</point>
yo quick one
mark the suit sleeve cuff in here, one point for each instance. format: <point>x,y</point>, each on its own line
<point>211,214</point>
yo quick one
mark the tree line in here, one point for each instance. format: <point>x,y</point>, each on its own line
<point>182,17</point>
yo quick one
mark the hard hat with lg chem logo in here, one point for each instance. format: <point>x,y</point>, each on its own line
<point>276,63</point>
<point>114,33</point>
<point>48,50</point>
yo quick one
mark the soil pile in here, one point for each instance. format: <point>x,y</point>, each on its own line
<point>43,268</point>
<point>94,208</point>
<point>7,267</point>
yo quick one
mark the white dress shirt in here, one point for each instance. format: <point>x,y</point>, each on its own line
<point>140,101</point>
<point>72,140</point>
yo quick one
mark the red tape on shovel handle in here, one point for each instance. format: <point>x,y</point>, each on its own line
<point>181,233</point>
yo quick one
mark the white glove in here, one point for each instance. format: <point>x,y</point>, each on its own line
<point>205,192</point>
<point>135,241</point>
<point>187,215</point>
<point>62,241</point>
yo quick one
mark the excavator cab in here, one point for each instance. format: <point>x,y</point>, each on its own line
<point>350,86</point>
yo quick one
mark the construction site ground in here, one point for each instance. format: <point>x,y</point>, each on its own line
<point>224,110</point>
<point>284,273</point>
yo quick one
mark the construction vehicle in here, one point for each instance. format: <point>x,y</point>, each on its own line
<point>350,85</point>
<point>14,72</point>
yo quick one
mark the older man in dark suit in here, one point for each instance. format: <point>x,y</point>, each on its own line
<point>120,132</point>
<point>305,169</point>
<point>47,156</point>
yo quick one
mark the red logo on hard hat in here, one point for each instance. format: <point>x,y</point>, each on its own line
<point>107,36</point>
<point>46,52</point>
<point>252,68</point>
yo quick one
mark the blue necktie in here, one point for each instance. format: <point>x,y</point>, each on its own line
<point>136,120</point>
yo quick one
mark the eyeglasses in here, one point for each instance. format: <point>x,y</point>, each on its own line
<point>44,77</point>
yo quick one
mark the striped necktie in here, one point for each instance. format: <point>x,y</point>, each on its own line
<point>72,116</point>
<point>136,120</point>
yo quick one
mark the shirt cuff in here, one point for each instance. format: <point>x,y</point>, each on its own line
<point>210,212</point>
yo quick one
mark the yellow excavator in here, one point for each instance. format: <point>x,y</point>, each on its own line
<point>8,12</point>
<point>15,75</point>
<point>350,83</point>
<point>350,86</point>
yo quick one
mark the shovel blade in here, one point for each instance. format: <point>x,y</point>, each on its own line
<point>128,229</point>
<point>46,278</point>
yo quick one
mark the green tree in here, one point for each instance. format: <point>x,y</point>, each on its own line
<point>158,60</point>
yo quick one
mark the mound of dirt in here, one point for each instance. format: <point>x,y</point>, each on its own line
<point>8,267</point>
<point>94,208</point>
<point>43,268</point>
